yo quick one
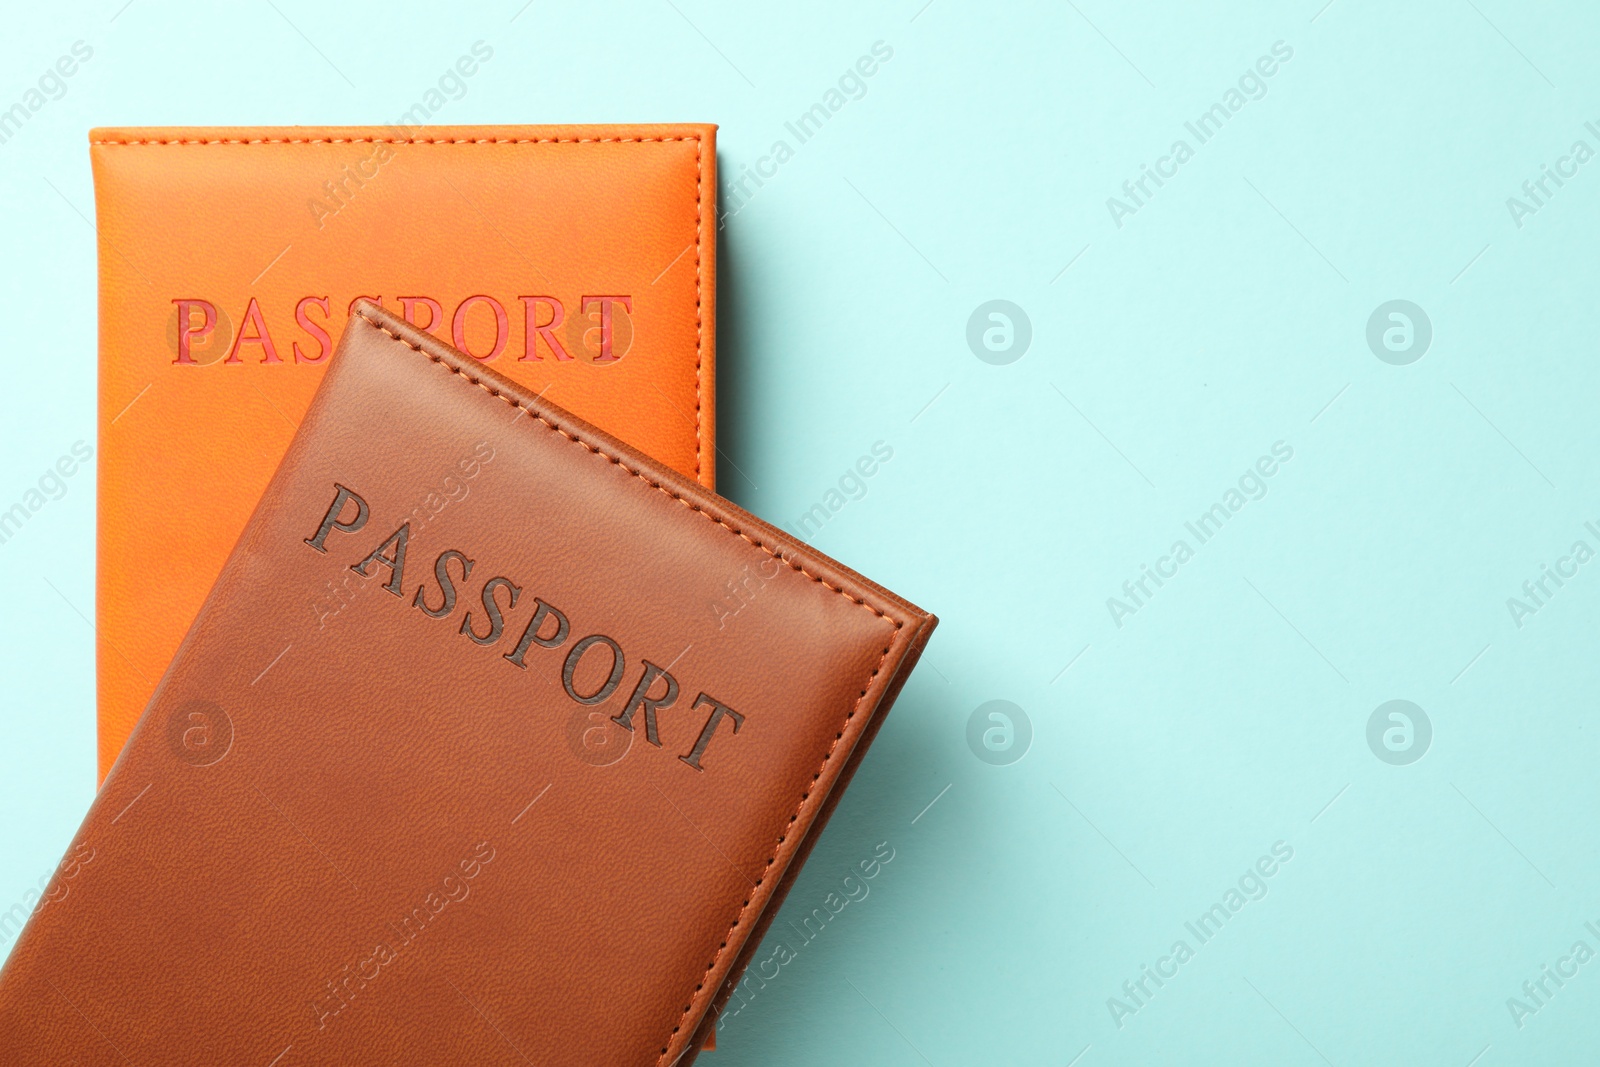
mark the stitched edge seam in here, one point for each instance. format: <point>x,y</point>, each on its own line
<point>699,224</point>
<point>393,140</point>
<point>699,290</point>
<point>832,748</point>
<point>514,402</point>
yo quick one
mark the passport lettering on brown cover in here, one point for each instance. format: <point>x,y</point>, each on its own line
<point>527,799</point>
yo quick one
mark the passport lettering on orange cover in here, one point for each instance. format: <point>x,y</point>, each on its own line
<point>578,260</point>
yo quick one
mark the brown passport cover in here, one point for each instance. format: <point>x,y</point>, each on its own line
<point>527,798</point>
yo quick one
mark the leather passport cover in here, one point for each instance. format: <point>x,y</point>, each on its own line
<point>528,796</point>
<point>578,260</point>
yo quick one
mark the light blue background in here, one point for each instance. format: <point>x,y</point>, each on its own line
<point>1227,314</point>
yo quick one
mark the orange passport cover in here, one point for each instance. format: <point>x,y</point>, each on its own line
<point>578,260</point>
